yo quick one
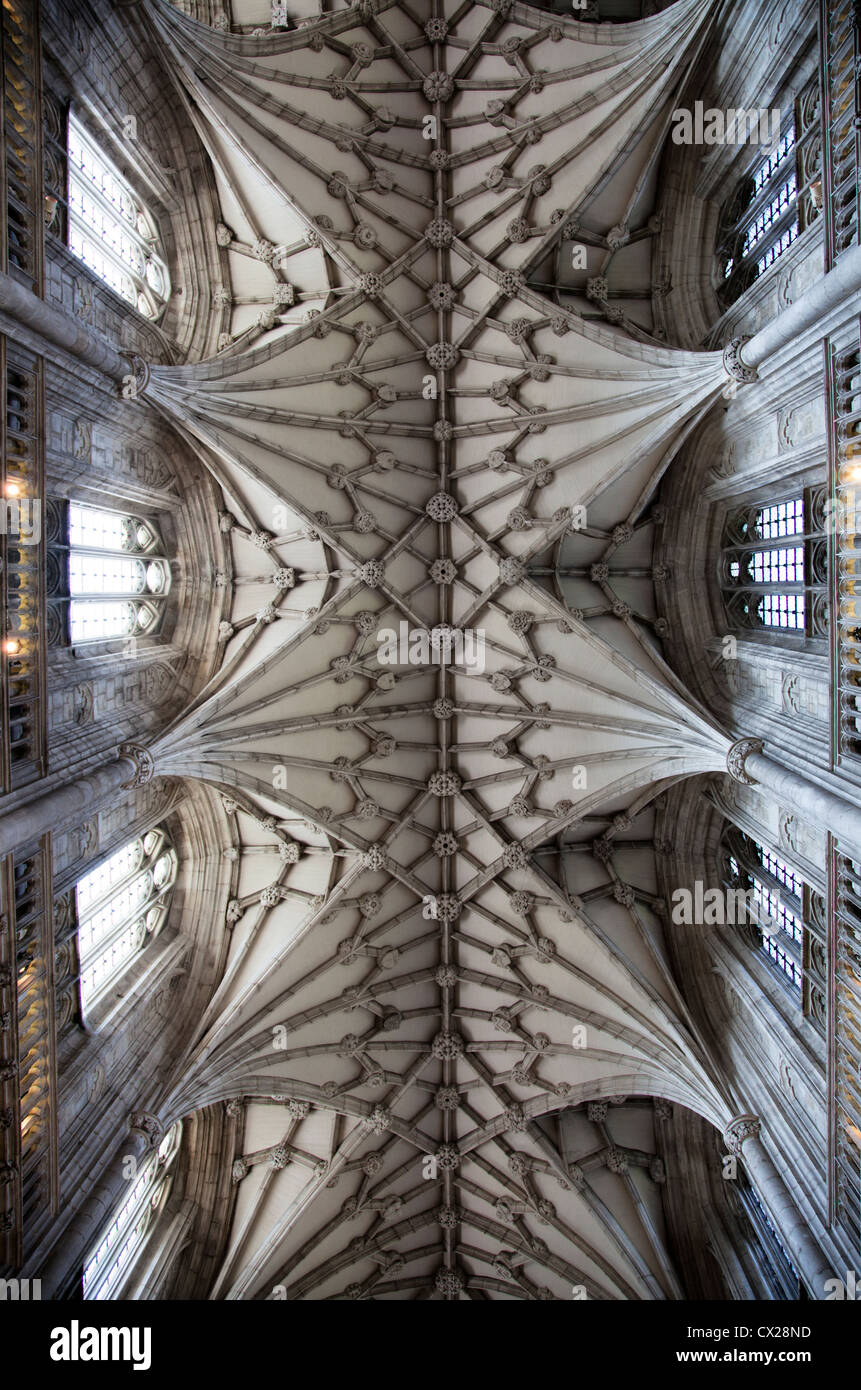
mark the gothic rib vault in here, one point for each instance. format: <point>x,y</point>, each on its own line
<point>361,1033</point>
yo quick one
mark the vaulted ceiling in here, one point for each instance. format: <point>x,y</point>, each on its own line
<point>447,1008</point>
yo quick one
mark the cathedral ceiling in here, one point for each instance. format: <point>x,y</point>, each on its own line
<point>447,970</point>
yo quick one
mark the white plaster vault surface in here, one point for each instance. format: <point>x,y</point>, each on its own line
<point>364,258</point>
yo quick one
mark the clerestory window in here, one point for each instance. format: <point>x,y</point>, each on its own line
<point>126,1234</point>
<point>785,920</point>
<point>118,580</point>
<point>110,229</point>
<point>778,197</point>
<point>121,905</point>
<point>774,566</point>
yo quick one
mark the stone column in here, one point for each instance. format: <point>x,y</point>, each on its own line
<point>75,800</point>
<point>741,1137</point>
<point>748,764</point>
<point>744,355</point>
<point>63,331</point>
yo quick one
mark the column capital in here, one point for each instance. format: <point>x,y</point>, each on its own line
<point>734,364</point>
<point>737,757</point>
<point>140,372</point>
<point>143,762</point>
<point>142,1122</point>
<point>741,1128</point>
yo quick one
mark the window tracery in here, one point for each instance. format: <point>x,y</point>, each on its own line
<point>774,565</point>
<point>121,903</point>
<point>779,196</point>
<point>116,577</point>
<point>132,1221</point>
<point>110,229</point>
<point>790,930</point>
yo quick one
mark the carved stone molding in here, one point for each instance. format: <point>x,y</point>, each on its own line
<point>88,838</point>
<point>141,372</point>
<point>96,1083</point>
<point>737,757</point>
<point>734,364</point>
<point>738,1130</point>
<point>797,425</point>
<point>82,445</point>
<point>143,761</point>
<point>150,1126</point>
<point>83,703</point>
<point>788,830</point>
<point>83,300</point>
<point>787,1080</point>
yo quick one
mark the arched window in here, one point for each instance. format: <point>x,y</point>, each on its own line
<point>786,922</point>
<point>117,579</point>
<point>110,229</point>
<point>120,905</point>
<point>779,196</point>
<point>124,1238</point>
<point>774,565</point>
